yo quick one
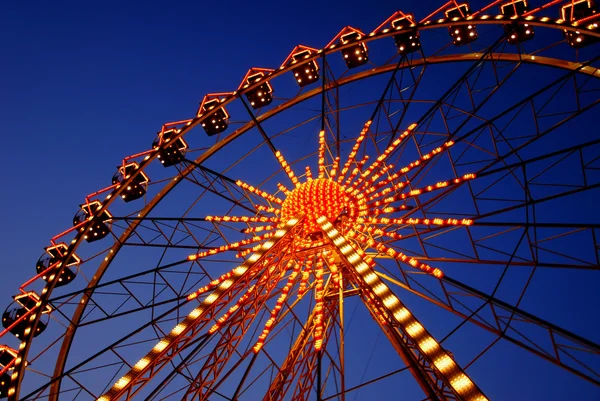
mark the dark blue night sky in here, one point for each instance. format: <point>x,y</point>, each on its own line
<point>85,84</point>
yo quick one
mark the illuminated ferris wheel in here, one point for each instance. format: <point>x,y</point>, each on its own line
<point>409,210</point>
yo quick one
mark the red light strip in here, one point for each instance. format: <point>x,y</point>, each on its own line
<point>414,221</point>
<point>267,209</point>
<point>492,4</point>
<point>381,158</point>
<point>393,17</point>
<point>355,172</point>
<point>258,229</point>
<point>243,219</point>
<point>258,192</point>
<point>275,311</point>
<point>535,10</point>
<point>298,49</point>
<point>442,8</point>
<point>286,167</point>
<point>386,190</point>
<point>352,155</point>
<point>399,255</point>
<point>233,245</point>
<point>318,333</point>
<point>147,152</point>
<point>321,154</point>
<point>344,31</point>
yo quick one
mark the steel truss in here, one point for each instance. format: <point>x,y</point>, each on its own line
<point>492,141</point>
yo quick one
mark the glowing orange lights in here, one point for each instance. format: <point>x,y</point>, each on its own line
<point>321,161</point>
<point>233,245</point>
<point>354,197</point>
<point>275,311</point>
<point>352,155</point>
<point>315,198</point>
<point>318,319</point>
<point>264,194</point>
<point>288,170</point>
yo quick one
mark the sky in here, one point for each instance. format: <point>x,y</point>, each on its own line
<point>85,84</point>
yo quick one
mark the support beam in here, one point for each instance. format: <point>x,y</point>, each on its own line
<point>165,350</point>
<point>433,367</point>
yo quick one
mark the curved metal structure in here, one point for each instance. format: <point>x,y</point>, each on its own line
<point>452,181</point>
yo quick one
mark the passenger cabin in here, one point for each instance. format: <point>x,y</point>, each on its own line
<point>408,41</point>
<point>7,358</point>
<point>261,95</point>
<point>16,317</point>
<point>306,73</point>
<point>54,255</point>
<point>98,229</point>
<point>516,32</point>
<point>216,122</point>
<point>579,10</point>
<point>355,55</point>
<point>461,34</point>
<point>174,151</point>
<point>136,188</point>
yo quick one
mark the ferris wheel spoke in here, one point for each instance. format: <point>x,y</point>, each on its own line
<point>259,126</point>
<point>517,194</point>
<point>300,350</point>
<point>108,349</point>
<point>538,336</point>
<point>227,185</point>
<point>453,91</point>
<point>413,85</point>
<point>392,82</point>
<point>546,239</point>
<point>410,339</point>
<point>184,332</point>
<point>508,117</point>
<point>538,101</point>
<point>231,334</point>
<point>366,383</point>
<point>124,283</point>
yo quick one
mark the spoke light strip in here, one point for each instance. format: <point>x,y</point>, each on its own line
<point>429,347</point>
<point>162,346</point>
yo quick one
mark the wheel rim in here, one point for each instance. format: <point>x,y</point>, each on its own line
<point>583,71</point>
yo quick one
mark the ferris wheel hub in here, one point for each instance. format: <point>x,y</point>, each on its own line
<point>316,198</point>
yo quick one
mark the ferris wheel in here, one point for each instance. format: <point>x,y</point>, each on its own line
<point>358,222</point>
